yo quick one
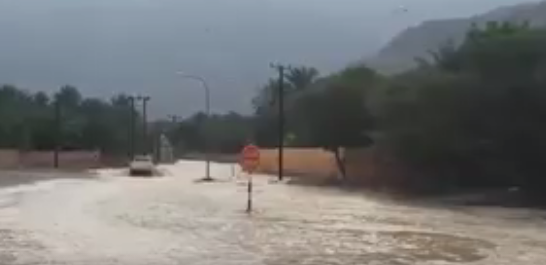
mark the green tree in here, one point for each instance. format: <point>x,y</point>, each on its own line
<point>335,113</point>
<point>300,78</point>
<point>220,133</point>
<point>477,117</point>
<point>296,82</point>
<point>28,121</point>
<point>69,97</point>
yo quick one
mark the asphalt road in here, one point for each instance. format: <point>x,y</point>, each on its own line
<point>113,219</point>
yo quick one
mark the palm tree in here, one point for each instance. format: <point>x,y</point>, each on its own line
<point>300,78</point>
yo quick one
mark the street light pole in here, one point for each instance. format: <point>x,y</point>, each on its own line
<point>207,112</point>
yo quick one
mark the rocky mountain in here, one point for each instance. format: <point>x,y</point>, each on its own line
<point>400,53</point>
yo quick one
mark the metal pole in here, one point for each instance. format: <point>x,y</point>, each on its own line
<point>207,142</point>
<point>281,69</point>
<point>156,147</point>
<point>57,134</point>
<point>132,129</point>
<point>145,125</point>
<point>249,198</point>
<point>207,109</point>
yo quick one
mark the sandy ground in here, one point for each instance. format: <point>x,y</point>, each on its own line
<point>113,219</point>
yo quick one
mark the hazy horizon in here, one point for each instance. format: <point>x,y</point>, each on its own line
<point>109,46</point>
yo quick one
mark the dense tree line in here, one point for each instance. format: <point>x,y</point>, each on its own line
<point>28,121</point>
<point>470,115</point>
<point>219,133</point>
<point>474,115</point>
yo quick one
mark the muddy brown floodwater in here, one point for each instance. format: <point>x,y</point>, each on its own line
<point>115,219</point>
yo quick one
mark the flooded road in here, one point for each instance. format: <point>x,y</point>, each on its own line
<point>173,220</point>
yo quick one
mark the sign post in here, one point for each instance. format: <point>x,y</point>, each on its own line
<point>250,159</point>
<point>249,197</point>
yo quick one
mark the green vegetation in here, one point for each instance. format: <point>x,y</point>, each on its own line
<point>474,116</point>
<point>471,115</point>
<point>27,121</point>
<point>226,133</point>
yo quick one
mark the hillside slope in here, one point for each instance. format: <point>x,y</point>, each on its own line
<point>399,54</point>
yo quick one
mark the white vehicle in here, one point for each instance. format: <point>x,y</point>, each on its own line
<point>142,165</point>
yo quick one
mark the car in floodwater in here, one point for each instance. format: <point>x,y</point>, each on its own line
<point>142,165</point>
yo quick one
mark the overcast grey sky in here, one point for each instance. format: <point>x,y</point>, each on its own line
<point>109,46</point>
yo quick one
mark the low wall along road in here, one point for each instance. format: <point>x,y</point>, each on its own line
<point>12,159</point>
<point>365,166</point>
<point>299,162</point>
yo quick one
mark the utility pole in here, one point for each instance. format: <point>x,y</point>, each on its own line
<point>57,133</point>
<point>145,100</point>
<point>132,129</point>
<point>281,69</point>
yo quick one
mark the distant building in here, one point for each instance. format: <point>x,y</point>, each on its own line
<point>165,151</point>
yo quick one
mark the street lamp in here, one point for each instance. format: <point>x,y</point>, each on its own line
<point>207,112</point>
